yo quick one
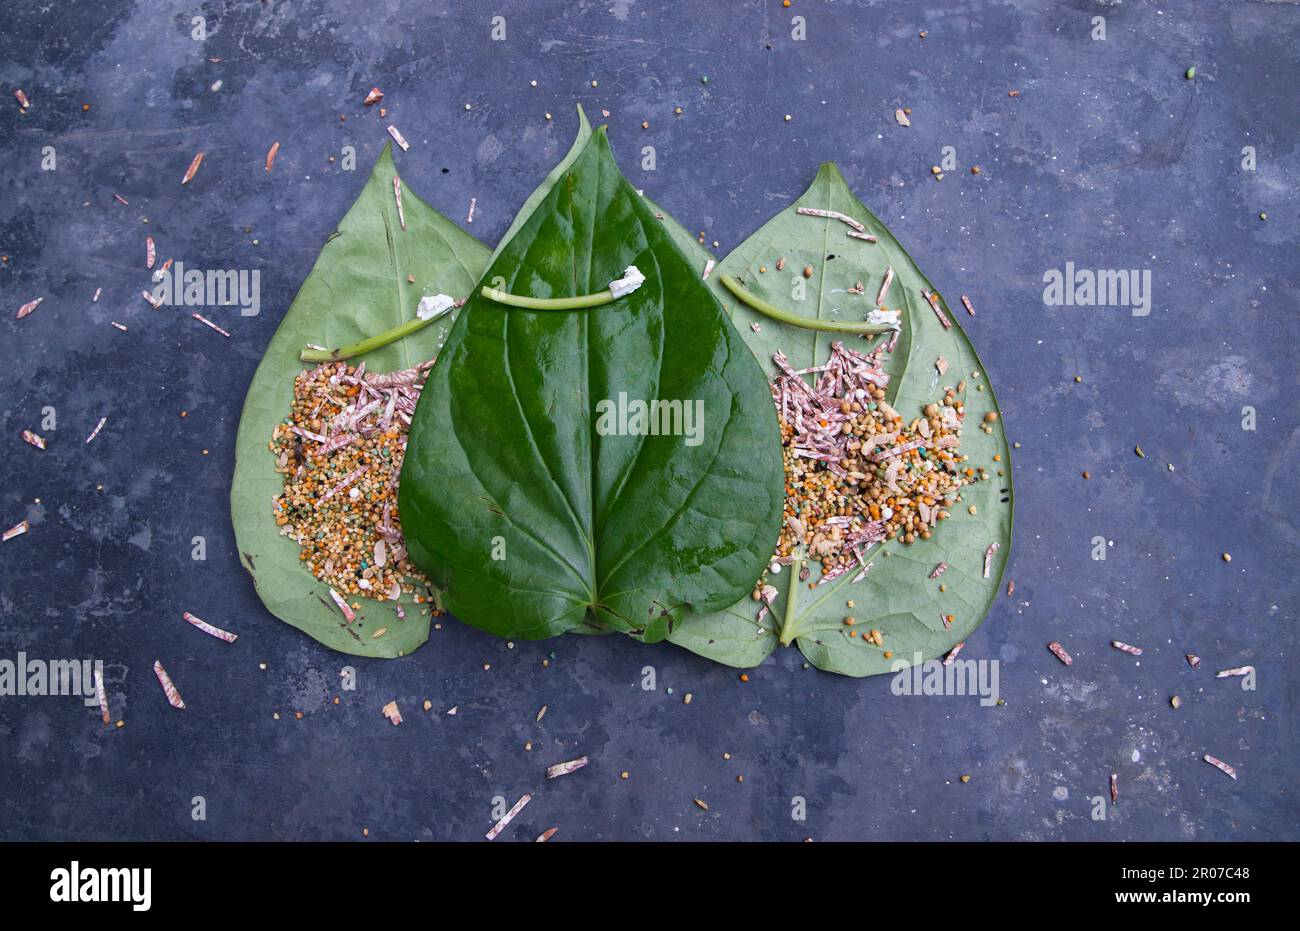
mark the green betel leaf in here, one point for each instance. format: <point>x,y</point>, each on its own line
<point>357,288</point>
<point>897,596</point>
<point>527,495</point>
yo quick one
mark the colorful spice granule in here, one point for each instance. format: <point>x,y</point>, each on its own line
<point>856,472</point>
<point>340,451</point>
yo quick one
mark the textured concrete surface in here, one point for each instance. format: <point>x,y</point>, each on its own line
<point>1109,158</point>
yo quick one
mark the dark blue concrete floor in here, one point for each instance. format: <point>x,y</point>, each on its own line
<point>1109,158</point>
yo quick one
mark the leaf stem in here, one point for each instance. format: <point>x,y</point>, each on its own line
<point>549,303</point>
<point>808,323</point>
<point>366,345</point>
<point>791,596</point>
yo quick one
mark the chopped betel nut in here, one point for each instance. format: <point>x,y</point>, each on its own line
<point>856,472</point>
<point>340,451</point>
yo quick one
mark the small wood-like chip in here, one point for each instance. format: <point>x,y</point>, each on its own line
<point>193,169</point>
<point>563,769</point>
<point>150,256</point>
<point>28,308</point>
<point>865,237</point>
<point>541,713</point>
<point>938,311</point>
<point>121,200</point>
<point>988,557</point>
<point>374,96</point>
<point>398,138</point>
<point>939,570</point>
<point>701,802</point>
<point>1114,788</point>
<point>17,530</point>
<point>1234,671</point>
<point>1193,660</point>
<point>102,696</point>
<point>94,433</point>
<point>831,215</point>
<point>546,835</point>
<point>209,629</point>
<point>120,326</point>
<point>473,202</point>
<point>1126,648</point>
<point>397,196</point>
<point>32,438</point>
<point>952,654</point>
<point>1220,766</point>
<point>708,269</point>
<point>941,365</point>
<point>901,117</point>
<point>884,287</point>
<point>154,302</point>
<point>206,322</point>
<point>965,302</point>
<point>23,102</point>
<point>1059,652</point>
<point>1011,587</point>
<point>391,713</point>
<point>169,689</point>
<point>271,153</point>
<point>508,817</point>
<point>343,606</point>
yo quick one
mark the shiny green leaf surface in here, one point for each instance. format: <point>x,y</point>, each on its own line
<point>525,497</point>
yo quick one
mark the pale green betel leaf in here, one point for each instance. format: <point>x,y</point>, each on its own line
<point>897,596</point>
<point>357,288</point>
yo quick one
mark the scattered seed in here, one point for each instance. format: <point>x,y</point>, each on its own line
<point>701,803</point>
<point>1176,702</point>
<point>270,155</point>
<point>901,118</point>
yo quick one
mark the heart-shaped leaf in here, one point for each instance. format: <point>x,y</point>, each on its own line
<point>357,288</point>
<point>897,596</point>
<point>537,516</point>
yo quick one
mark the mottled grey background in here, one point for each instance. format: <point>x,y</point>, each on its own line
<point>1109,158</point>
